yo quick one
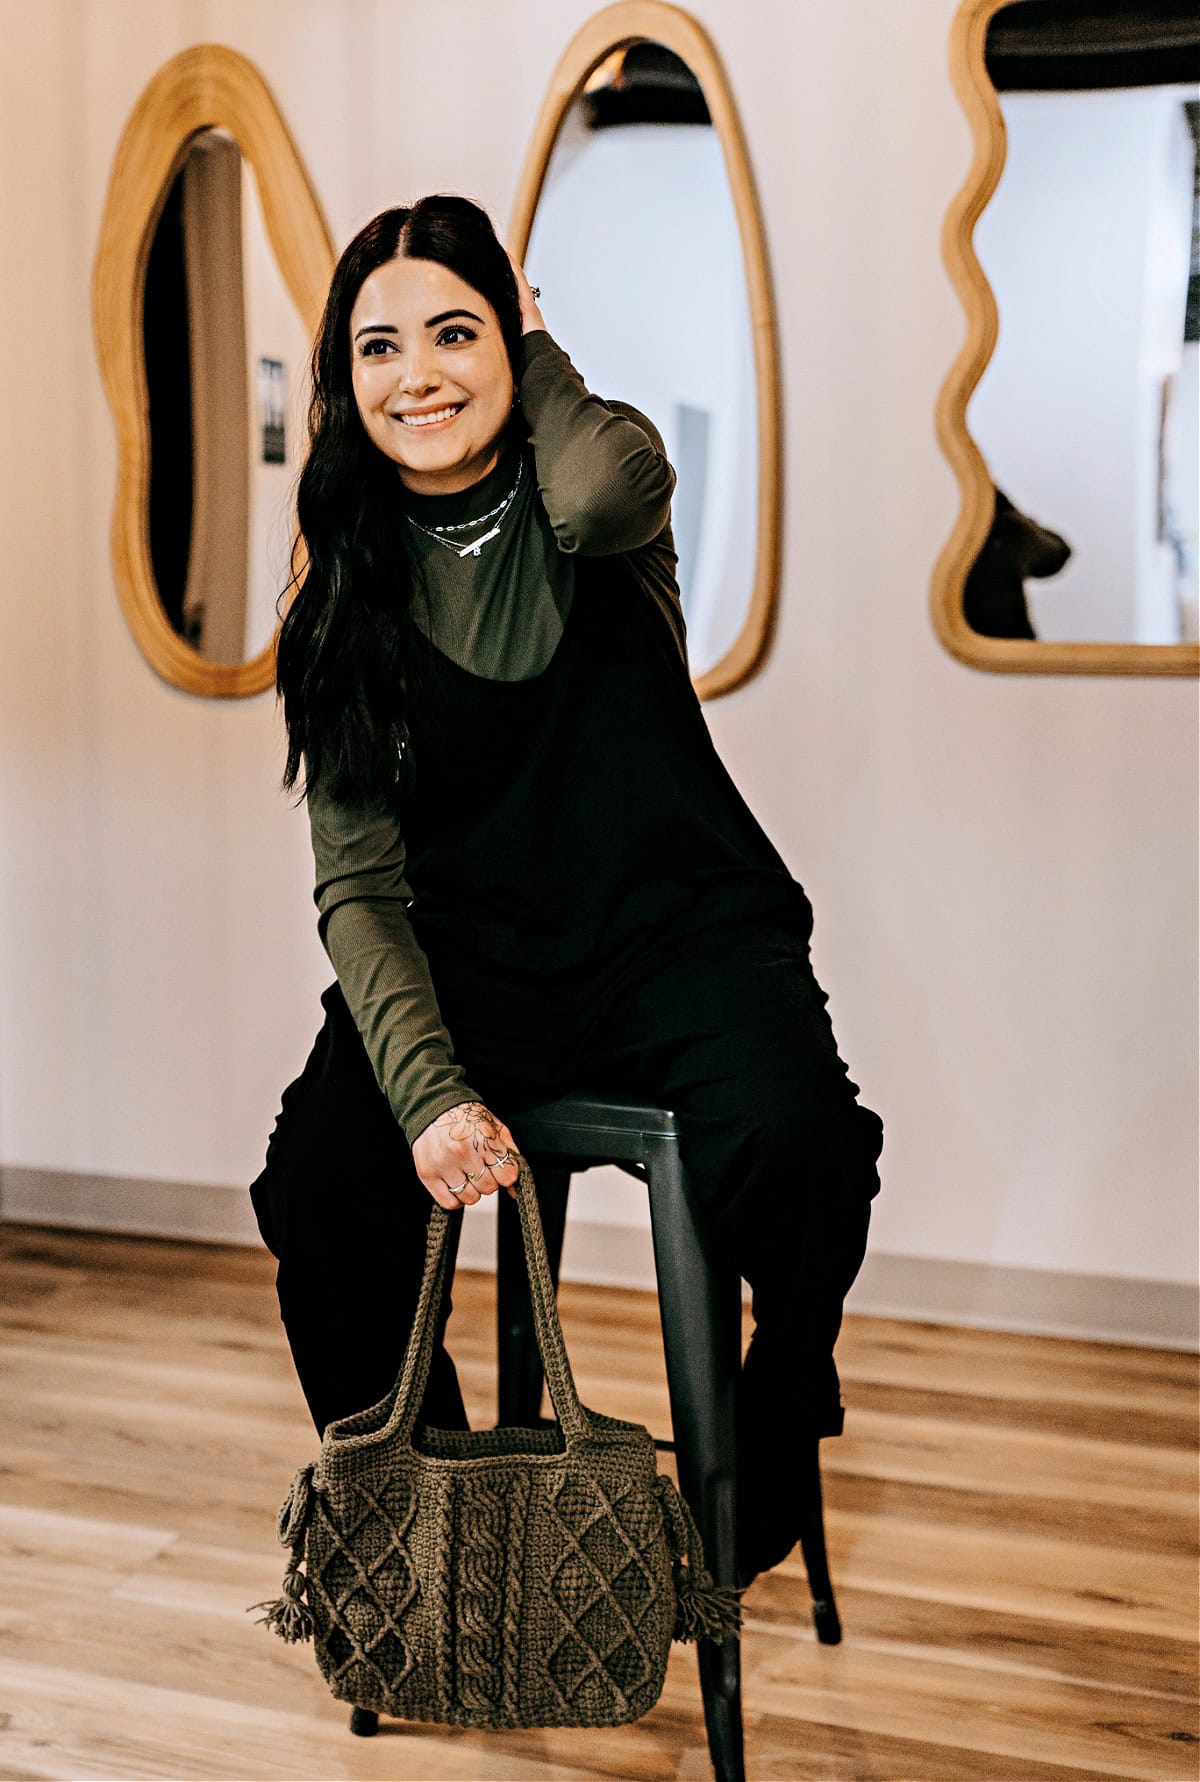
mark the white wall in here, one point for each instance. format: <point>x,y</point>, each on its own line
<point>1003,867</point>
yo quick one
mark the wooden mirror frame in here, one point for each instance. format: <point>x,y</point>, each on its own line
<point>980,102</point>
<point>204,87</point>
<point>654,21</point>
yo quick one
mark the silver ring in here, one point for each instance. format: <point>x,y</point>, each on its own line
<point>461,1186</point>
<point>498,1164</point>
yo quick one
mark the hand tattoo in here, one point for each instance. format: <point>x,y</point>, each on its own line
<point>473,1124</point>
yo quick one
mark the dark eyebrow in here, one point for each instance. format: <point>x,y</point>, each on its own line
<point>386,327</point>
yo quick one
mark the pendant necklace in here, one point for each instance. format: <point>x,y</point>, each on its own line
<point>476,544</point>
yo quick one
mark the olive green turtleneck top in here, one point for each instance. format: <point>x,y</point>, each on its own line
<point>594,480</point>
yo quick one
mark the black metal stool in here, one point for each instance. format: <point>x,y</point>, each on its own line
<point>701,1311</point>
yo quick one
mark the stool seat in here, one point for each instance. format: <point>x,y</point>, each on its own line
<point>603,1121</point>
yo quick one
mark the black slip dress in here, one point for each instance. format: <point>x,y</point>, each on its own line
<point>567,828</point>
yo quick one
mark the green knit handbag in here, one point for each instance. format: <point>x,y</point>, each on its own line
<point>495,1577</point>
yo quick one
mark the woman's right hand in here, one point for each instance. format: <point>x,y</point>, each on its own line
<point>466,1141</point>
<point>531,315</point>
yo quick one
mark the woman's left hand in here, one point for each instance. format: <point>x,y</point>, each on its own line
<point>531,315</point>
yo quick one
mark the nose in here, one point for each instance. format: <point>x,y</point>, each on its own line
<point>418,371</point>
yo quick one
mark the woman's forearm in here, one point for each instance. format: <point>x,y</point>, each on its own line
<point>385,979</point>
<point>361,894</point>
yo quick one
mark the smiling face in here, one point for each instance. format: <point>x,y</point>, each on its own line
<point>423,341</point>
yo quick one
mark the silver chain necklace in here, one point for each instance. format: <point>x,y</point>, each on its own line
<point>474,547</point>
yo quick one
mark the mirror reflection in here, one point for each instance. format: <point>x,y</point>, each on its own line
<point>1087,413</point>
<point>226,376</point>
<point>636,250</point>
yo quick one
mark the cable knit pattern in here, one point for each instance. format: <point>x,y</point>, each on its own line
<point>489,1528</point>
<point>498,1577</point>
<point>604,1586</point>
<point>361,1583</point>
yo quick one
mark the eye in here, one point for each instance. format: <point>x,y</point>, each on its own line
<point>367,345</point>
<point>457,328</point>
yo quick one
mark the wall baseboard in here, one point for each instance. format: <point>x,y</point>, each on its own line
<point>929,1290</point>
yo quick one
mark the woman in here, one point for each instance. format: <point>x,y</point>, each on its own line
<point>533,873</point>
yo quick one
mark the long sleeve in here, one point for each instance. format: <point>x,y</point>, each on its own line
<point>605,483</point>
<point>361,894</point>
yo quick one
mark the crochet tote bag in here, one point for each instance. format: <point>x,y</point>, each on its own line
<point>495,1577</point>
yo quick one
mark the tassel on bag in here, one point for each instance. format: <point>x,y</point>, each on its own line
<point>289,1615</point>
<point>703,1610</point>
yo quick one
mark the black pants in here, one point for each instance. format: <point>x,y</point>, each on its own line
<point>730,1030</point>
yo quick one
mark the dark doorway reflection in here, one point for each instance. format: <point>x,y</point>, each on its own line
<point>169,391</point>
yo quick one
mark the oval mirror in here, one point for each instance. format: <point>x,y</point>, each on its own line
<point>1077,247</point>
<point>223,264</point>
<point>637,220</point>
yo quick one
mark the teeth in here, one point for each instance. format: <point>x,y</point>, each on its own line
<point>427,420</point>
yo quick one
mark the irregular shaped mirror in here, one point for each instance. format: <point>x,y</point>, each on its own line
<point>227,259</point>
<point>638,245</point>
<point>1086,252</point>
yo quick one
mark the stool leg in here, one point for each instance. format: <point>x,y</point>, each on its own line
<point>701,1322</point>
<point>364,1722</point>
<point>520,1377</point>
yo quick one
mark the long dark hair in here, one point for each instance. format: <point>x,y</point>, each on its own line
<point>344,652</point>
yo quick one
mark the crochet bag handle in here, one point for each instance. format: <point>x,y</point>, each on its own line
<point>419,1354</point>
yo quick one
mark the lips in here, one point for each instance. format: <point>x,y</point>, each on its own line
<point>418,425</point>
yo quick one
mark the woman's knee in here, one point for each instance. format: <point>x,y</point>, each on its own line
<point>804,1096</point>
<point>803,1125</point>
<point>786,1178</point>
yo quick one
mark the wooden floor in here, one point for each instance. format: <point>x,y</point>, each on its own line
<point>1012,1531</point>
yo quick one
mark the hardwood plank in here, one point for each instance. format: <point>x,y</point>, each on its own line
<point>1063,1579</point>
<point>1151,1530</point>
<point>1152,1665</point>
<point>913,1448</point>
<point>1049,1366</point>
<point>1091,1417</point>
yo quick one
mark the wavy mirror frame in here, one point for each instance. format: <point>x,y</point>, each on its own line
<point>613,29</point>
<point>979,100</point>
<point>204,87</point>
